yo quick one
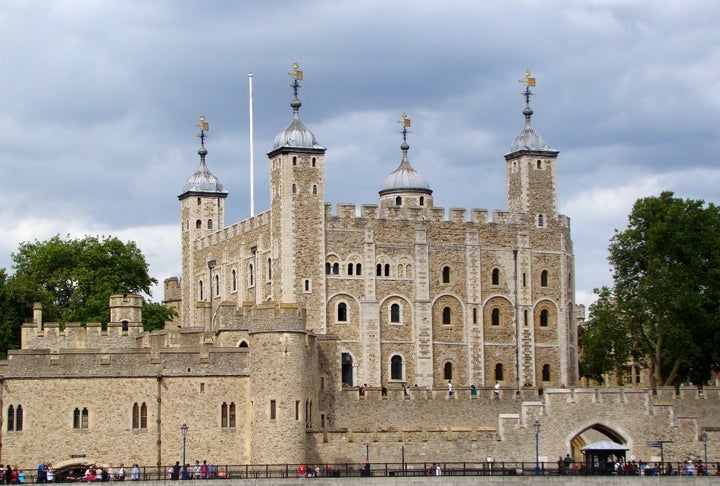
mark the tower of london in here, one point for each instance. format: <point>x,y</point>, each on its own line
<point>313,333</point>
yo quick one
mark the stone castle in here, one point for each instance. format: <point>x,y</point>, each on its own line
<point>310,335</point>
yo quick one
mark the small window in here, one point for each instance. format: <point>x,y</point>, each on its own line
<point>294,161</point>
<point>328,268</point>
<point>447,371</point>
<point>209,224</point>
<point>446,274</point>
<point>524,279</point>
<point>499,372</point>
<point>496,276</point>
<point>525,317</point>
<point>544,318</point>
<point>387,269</point>
<point>378,271</point>
<point>143,416</point>
<point>314,189</point>
<point>396,368</point>
<point>395,313</point>
<point>398,201</point>
<point>306,285</point>
<point>198,224</point>
<point>538,164</point>
<point>336,268</point>
<point>273,409</point>
<point>199,201</point>
<point>136,416</point>
<point>446,316</point>
<point>224,415</point>
<point>350,268</point>
<point>358,269</point>
<point>11,418</point>
<point>125,326</point>
<point>541,220</point>
<point>475,315</point>
<point>232,415</point>
<point>19,418</point>
<point>313,161</point>
<point>422,200</point>
<point>495,317</point>
<point>294,189</point>
<point>243,344</point>
<point>269,268</point>
<point>200,289</point>
<point>251,275</point>
<point>342,312</point>
<point>233,280</point>
<point>546,372</point>
<point>544,278</point>
<point>217,285</point>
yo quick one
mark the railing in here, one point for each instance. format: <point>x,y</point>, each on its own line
<point>388,469</point>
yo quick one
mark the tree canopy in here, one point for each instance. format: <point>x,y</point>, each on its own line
<point>664,309</point>
<point>73,279</point>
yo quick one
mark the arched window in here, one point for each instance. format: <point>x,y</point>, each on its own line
<point>136,416</point>
<point>328,268</point>
<point>11,418</point>
<point>395,313</point>
<point>19,418</point>
<point>76,418</point>
<point>496,276</point>
<point>224,415</point>
<point>541,220</point>
<point>314,189</point>
<point>499,372</point>
<point>143,416</point>
<point>543,278</point>
<point>544,318</point>
<point>350,267</point>
<point>209,224</point>
<point>294,160</point>
<point>539,164</point>
<point>251,275</point>
<point>294,189</point>
<point>495,317</point>
<point>200,289</point>
<point>446,274</point>
<point>84,418</point>
<point>358,269</point>
<point>387,269</point>
<point>231,412</point>
<point>447,371</point>
<point>243,344</point>
<point>198,224</point>
<point>378,270</point>
<point>217,285</point>
<point>233,280</point>
<point>396,367</point>
<point>446,315</point>
<point>546,372</point>
<point>342,312</point>
<point>336,268</point>
<point>199,201</point>
<point>398,201</point>
<point>422,200</point>
<point>313,161</point>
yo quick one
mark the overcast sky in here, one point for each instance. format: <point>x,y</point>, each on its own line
<point>99,102</point>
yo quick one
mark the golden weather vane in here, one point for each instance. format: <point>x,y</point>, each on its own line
<point>405,122</point>
<point>297,76</point>
<point>204,127</point>
<point>529,82</point>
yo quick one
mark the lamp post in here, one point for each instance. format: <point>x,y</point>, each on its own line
<point>704,439</point>
<point>537,447</point>
<point>211,264</point>
<point>184,429</point>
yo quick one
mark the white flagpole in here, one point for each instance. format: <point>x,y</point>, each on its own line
<point>252,149</point>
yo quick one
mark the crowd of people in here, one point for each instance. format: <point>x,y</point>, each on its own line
<point>198,471</point>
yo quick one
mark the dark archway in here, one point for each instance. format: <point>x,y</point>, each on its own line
<point>347,369</point>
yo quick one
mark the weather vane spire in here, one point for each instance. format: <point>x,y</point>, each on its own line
<point>529,82</point>
<point>297,76</point>
<point>405,123</point>
<point>204,127</point>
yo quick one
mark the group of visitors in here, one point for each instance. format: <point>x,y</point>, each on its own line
<point>11,475</point>
<point>198,471</point>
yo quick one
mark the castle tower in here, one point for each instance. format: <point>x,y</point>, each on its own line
<point>283,396</point>
<point>126,313</point>
<point>202,212</point>
<point>297,201</point>
<point>532,170</point>
<point>405,187</point>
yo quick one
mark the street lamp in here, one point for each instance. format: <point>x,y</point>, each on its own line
<point>184,429</point>
<point>704,439</point>
<point>537,447</point>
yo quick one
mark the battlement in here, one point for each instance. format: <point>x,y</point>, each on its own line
<point>240,228</point>
<point>272,317</point>
<point>438,214</point>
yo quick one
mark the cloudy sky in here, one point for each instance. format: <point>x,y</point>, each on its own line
<point>99,102</point>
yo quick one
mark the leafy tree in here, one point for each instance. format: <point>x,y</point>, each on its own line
<point>72,278</point>
<point>155,315</point>
<point>666,297</point>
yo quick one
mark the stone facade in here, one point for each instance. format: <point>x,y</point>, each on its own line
<point>284,315</point>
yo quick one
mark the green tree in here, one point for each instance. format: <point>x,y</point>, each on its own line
<point>666,296</point>
<point>72,278</point>
<point>155,315</point>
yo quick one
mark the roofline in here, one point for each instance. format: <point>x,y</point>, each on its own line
<point>286,149</point>
<point>186,194</point>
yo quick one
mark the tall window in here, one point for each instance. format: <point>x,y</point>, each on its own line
<point>139,416</point>
<point>546,372</point>
<point>543,278</point>
<point>233,280</point>
<point>227,415</point>
<point>273,409</point>
<point>395,313</point>
<point>80,418</point>
<point>446,315</point>
<point>396,368</point>
<point>11,418</point>
<point>541,220</point>
<point>378,270</point>
<point>447,371</point>
<point>358,269</point>
<point>19,418</point>
<point>398,201</point>
<point>336,268</point>
<point>217,285</point>
<point>251,275</point>
<point>200,289</point>
<point>269,268</point>
<point>209,224</point>
<point>544,318</point>
<point>499,372</point>
<point>495,317</point>
<point>350,268</point>
<point>342,312</point>
<point>496,276</point>
<point>446,274</point>
<point>327,268</point>
<point>387,269</point>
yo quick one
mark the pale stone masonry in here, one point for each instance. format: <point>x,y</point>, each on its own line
<point>284,315</point>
